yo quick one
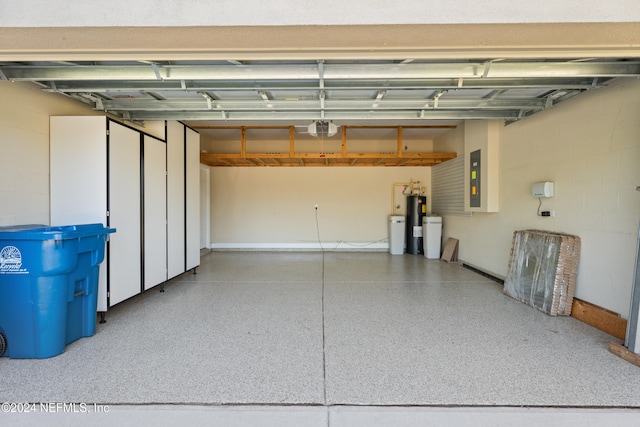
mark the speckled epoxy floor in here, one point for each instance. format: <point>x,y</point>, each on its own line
<point>339,328</point>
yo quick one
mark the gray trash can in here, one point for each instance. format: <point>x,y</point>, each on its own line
<point>397,225</point>
<point>432,236</point>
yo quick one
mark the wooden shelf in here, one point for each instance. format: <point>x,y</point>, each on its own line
<point>329,159</point>
<point>342,158</point>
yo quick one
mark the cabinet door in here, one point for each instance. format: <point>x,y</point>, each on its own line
<point>78,174</point>
<point>124,213</point>
<point>193,198</point>
<point>155,212</point>
<point>78,178</point>
<point>175,199</point>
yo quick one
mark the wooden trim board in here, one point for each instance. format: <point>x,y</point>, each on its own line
<point>599,318</point>
<point>622,351</point>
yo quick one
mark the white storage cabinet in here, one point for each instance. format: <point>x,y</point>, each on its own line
<point>105,172</point>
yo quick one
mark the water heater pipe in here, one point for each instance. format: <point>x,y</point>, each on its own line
<point>413,186</point>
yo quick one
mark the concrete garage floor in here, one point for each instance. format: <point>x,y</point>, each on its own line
<point>328,339</point>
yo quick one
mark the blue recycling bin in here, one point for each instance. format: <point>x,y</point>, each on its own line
<point>48,287</point>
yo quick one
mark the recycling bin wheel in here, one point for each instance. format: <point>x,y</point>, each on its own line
<point>3,343</point>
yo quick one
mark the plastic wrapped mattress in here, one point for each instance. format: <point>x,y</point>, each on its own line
<point>542,270</point>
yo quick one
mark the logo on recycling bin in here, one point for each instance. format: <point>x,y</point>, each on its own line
<point>10,260</point>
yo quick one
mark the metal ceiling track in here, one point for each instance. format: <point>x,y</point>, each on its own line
<point>289,91</point>
<point>336,71</point>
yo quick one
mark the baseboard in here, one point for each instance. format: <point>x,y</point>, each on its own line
<point>482,272</point>
<point>325,246</point>
<point>622,351</point>
<point>600,318</point>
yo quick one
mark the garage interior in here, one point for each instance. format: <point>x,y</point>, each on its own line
<point>298,312</point>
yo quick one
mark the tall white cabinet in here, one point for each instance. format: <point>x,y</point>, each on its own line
<point>176,242</point>
<point>192,211</point>
<point>105,172</point>
<point>154,211</point>
<point>123,213</point>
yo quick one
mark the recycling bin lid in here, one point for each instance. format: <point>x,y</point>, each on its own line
<point>35,232</point>
<point>397,218</point>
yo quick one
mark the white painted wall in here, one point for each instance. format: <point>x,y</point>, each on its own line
<point>24,149</point>
<point>94,13</point>
<point>265,207</point>
<point>24,144</point>
<point>590,147</point>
